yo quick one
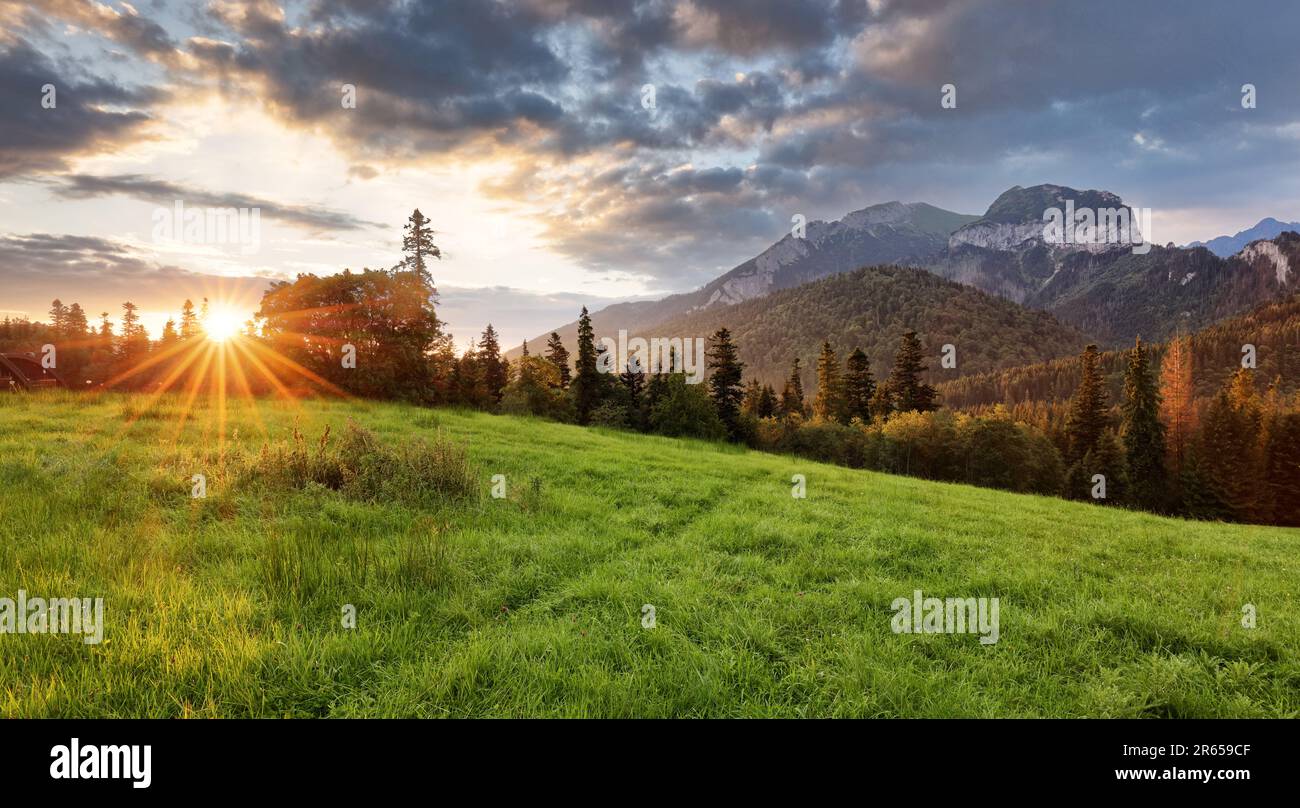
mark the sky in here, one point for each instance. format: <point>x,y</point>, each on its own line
<point>582,152</point>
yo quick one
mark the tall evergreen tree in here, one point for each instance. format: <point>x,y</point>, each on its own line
<point>828,404</point>
<point>908,392</point>
<point>417,244</point>
<point>135,340</point>
<point>586,382</point>
<point>749,403</point>
<point>725,382</point>
<point>1143,433</point>
<point>1177,395</point>
<point>558,355</point>
<point>792,394</point>
<point>1226,448</point>
<point>59,317</point>
<point>1087,416</point>
<point>77,325</point>
<point>494,369</point>
<point>189,320</point>
<point>767,403</point>
<point>859,387</point>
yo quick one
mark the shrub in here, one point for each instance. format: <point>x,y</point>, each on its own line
<point>361,467</point>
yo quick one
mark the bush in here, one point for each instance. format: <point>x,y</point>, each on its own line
<point>685,410</point>
<point>363,468</point>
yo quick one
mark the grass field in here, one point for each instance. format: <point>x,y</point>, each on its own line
<point>531,605</point>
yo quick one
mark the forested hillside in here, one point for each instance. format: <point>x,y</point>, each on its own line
<point>1216,353</point>
<point>868,309</point>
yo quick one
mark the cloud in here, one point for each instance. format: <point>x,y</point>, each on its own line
<point>83,186</point>
<point>89,116</point>
<point>762,108</point>
<point>101,274</point>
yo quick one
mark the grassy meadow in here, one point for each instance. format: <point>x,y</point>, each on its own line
<point>531,605</point>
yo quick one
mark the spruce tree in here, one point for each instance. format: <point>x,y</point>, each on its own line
<point>59,317</point>
<point>828,404</point>
<point>494,369</point>
<point>558,355</point>
<point>859,387</point>
<point>792,394</point>
<point>725,388</point>
<point>1087,416</point>
<point>586,382</point>
<point>417,243</point>
<point>1143,433</point>
<point>753,392</point>
<point>908,392</point>
<point>767,402</point>
<point>1177,395</point>
<point>189,320</point>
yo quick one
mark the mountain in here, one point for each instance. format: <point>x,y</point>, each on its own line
<point>894,232</point>
<point>870,308</point>
<point>1265,230</point>
<point>1106,289</point>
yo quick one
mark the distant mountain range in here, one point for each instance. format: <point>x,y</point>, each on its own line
<point>1265,230</point>
<point>1104,292</point>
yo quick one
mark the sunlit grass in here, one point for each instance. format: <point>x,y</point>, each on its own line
<point>531,605</point>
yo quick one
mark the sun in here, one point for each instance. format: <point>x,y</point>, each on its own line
<point>221,325</point>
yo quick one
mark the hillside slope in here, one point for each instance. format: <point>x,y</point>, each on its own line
<point>764,605</point>
<point>1274,330</point>
<point>870,308</point>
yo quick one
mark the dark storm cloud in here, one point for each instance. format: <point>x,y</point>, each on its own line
<point>770,106</point>
<point>90,115</point>
<point>163,192</point>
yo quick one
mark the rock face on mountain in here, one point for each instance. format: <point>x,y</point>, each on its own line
<point>891,233</point>
<point>1105,288</point>
<point>1266,229</point>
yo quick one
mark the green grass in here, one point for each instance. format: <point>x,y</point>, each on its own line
<point>766,605</point>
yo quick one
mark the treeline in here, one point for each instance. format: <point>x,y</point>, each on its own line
<point>1274,330</point>
<point>91,355</point>
<point>1149,448</point>
<point>1151,442</point>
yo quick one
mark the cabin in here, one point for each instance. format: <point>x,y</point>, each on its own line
<point>23,371</point>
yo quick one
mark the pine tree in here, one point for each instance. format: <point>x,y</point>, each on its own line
<point>1087,417</point>
<point>417,244</point>
<point>77,324</point>
<point>725,373</point>
<point>792,395</point>
<point>828,404</point>
<point>767,403</point>
<point>494,369</point>
<point>135,341</point>
<point>59,317</point>
<point>859,387</point>
<point>634,383</point>
<point>753,392</point>
<point>586,382</point>
<point>907,390</point>
<point>1284,470</point>
<point>1177,394</point>
<point>558,355</point>
<point>189,320</point>
<point>1227,447</point>
<point>169,334</point>
<point>1143,434</point>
